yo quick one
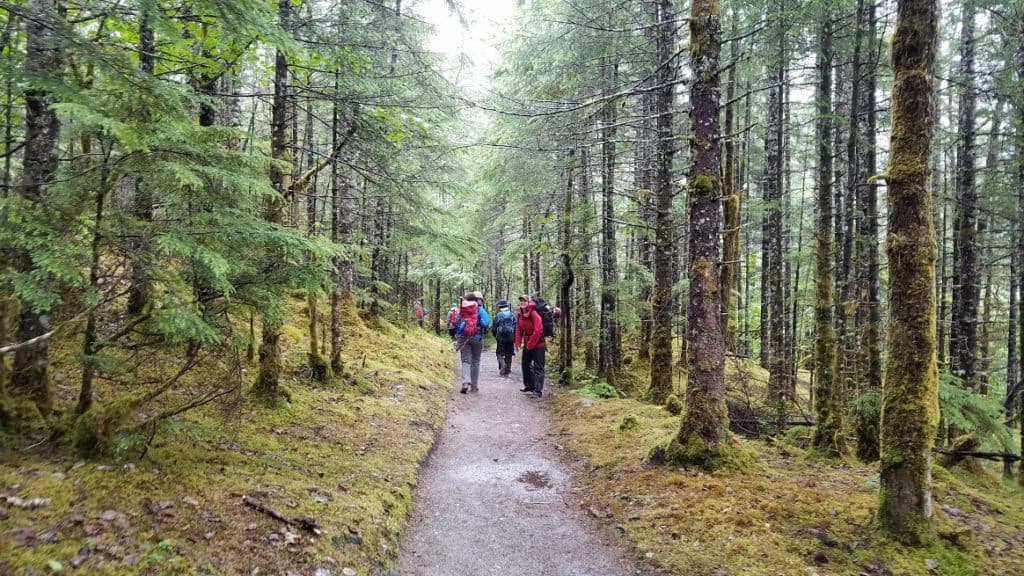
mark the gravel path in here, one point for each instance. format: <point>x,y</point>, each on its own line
<point>493,499</point>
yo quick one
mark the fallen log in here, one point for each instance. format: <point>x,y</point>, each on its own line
<point>997,456</point>
<point>302,522</point>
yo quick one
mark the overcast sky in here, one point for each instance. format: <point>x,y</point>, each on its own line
<point>471,50</point>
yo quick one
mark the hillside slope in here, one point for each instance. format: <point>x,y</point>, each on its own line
<point>345,456</point>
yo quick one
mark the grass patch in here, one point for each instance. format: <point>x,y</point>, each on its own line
<point>785,512</point>
<point>345,455</point>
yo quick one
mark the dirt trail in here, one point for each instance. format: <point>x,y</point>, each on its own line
<point>493,498</point>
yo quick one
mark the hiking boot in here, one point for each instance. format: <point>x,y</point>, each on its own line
<point>465,388</point>
<point>536,395</point>
<point>529,390</point>
<point>474,389</point>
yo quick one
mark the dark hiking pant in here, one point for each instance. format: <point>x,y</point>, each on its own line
<point>533,369</point>
<point>505,352</point>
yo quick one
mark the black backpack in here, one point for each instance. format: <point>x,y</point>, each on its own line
<point>547,316</point>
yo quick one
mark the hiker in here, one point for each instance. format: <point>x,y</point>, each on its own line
<point>530,338</point>
<point>420,312</point>
<point>505,334</point>
<point>453,319</point>
<point>469,335</point>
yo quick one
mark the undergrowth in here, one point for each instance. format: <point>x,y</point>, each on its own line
<point>344,455</point>
<point>786,512</point>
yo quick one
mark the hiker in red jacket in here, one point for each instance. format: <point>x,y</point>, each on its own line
<point>530,338</point>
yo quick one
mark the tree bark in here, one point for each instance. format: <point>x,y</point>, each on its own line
<point>868,310</point>
<point>865,363</point>
<point>1020,239</point>
<point>943,285</point>
<point>43,64</point>
<point>644,174</point>
<point>1012,370</point>
<point>778,384</point>
<point>586,227</point>
<point>964,330</point>
<point>987,332</point>
<point>568,277</point>
<point>828,432</point>
<point>611,345</point>
<point>139,290</point>
<point>337,191</point>
<point>702,439</point>
<point>266,386</point>
<point>732,203</point>
<point>910,393</point>
<point>663,302</point>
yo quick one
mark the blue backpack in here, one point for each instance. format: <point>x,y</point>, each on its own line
<point>505,326</point>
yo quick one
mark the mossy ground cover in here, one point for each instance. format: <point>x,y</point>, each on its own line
<point>787,513</point>
<point>344,455</point>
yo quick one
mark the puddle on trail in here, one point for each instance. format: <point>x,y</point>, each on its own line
<point>535,479</point>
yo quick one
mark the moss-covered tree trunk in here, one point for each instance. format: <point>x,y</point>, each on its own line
<point>851,216</point>
<point>910,392</point>
<point>340,231</point>
<point>743,182</point>
<point>8,303</point>
<point>1020,238</point>
<point>142,203</point>
<point>662,301</point>
<point>565,351</point>
<point>778,383</point>
<point>89,336</point>
<point>319,366</point>
<point>986,334</point>
<point>266,386</point>
<point>703,432</point>
<point>43,66</point>
<point>643,172</point>
<point>732,204</point>
<point>610,354</point>
<point>868,314</point>
<point>1012,370</point>
<point>964,328</point>
<point>586,229</point>
<point>828,433</point>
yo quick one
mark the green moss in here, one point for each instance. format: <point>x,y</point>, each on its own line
<point>799,436</point>
<point>328,454</point>
<point>674,405</point>
<point>94,433</point>
<point>691,451</point>
<point>629,423</point>
<point>702,187</point>
<point>756,519</point>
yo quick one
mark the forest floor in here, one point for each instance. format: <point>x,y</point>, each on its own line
<point>787,513</point>
<point>494,500</point>
<point>514,486</point>
<point>344,456</point>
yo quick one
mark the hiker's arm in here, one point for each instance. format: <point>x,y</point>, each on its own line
<point>537,335</point>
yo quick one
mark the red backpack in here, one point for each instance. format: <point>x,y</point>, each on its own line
<point>469,315</point>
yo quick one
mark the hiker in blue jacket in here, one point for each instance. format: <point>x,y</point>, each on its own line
<point>469,336</point>
<point>504,330</point>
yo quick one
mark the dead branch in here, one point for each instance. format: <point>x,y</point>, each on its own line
<point>302,522</point>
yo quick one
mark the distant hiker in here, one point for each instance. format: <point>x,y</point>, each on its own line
<point>469,335</point>
<point>453,319</point>
<point>530,338</point>
<point>505,333</point>
<point>420,312</point>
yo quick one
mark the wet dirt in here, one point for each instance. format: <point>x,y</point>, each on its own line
<point>493,499</point>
